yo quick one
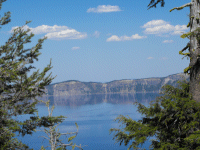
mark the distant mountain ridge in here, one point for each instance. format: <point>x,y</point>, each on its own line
<point>146,85</point>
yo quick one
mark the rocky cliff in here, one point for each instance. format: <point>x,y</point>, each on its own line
<point>147,85</point>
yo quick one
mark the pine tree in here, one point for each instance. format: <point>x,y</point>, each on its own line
<point>174,119</point>
<point>16,88</point>
<point>53,135</point>
<point>193,46</point>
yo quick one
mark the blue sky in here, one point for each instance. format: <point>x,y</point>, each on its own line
<point>103,40</point>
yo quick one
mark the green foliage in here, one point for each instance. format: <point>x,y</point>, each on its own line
<point>186,70</point>
<point>187,35</point>
<point>51,123</point>
<point>174,119</point>
<point>71,138</point>
<point>16,89</point>
<point>195,33</point>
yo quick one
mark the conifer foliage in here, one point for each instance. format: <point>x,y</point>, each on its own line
<point>174,119</point>
<point>16,88</point>
<point>53,136</point>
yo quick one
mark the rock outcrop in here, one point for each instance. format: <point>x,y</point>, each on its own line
<point>147,85</point>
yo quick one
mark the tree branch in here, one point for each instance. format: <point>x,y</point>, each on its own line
<point>181,7</point>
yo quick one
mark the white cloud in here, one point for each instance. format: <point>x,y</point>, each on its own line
<point>168,41</point>
<point>124,38</point>
<point>96,34</point>
<point>150,58</point>
<point>56,32</point>
<point>75,48</point>
<point>154,23</point>
<point>113,38</point>
<point>160,27</point>
<point>66,34</point>
<point>13,28</point>
<point>104,9</point>
<point>44,29</point>
<point>177,32</point>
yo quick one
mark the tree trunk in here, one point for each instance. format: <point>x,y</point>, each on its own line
<point>194,51</point>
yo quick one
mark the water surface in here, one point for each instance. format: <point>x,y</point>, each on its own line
<point>94,115</point>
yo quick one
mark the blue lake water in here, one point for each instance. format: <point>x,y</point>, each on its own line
<point>94,115</point>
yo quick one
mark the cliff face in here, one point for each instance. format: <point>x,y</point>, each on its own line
<point>148,85</point>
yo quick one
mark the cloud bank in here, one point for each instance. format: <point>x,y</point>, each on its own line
<point>157,27</point>
<point>104,9</point>
<point>160,27</point>
<point>56,32</point>
<point>124,38</point>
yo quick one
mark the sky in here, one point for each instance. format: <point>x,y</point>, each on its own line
<point>103,40</point>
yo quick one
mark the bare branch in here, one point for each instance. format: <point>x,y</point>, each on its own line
<point>153,3</point>
<point>181,7</point>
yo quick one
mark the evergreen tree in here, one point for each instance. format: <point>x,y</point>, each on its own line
<point>16,88</point>
<point>53,135</point>
<point>193,46</point>
<point>174,119</point>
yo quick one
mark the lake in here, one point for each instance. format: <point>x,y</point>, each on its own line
<point>94,115</point>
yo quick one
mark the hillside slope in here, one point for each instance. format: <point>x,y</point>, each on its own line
<point>147,85</point>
